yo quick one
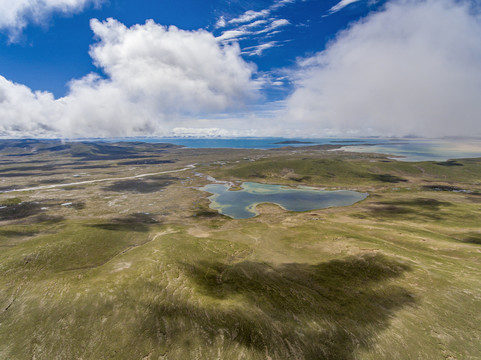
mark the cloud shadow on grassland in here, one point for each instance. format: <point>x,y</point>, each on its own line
<point>140,222</point>
<point>322,311</point>
<point>143,186</point>
<point>418,209</point>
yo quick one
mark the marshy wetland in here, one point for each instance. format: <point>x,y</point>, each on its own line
<point>115,263</point>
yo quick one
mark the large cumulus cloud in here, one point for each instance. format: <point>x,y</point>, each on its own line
<point>413,68</point>
<point>154,78</point>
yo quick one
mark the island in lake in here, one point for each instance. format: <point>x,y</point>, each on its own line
<point>293,142</point>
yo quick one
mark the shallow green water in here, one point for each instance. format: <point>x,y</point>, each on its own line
<point>241,204</point>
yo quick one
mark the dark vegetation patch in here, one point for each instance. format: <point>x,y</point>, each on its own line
<point>202,210</point>
<point>46,219</point>
<point>142,186</point>
<point>290,311</point>
<point>10,202</point>
<point>21,174</point>
<point>290,174</point>
<point>73,187</point>
<point>51,181</point>
<point>474,197</point>
<point>419,208</point>
<point>423,203</point>
<point>19,211</point>
<point>21,155</point>
<point>87,167</point>
<point>46,167</point>
<point>297,178</point>
<point>258,175</point>
<point>77,205</point>
<point>8,188</point>
<point>388,178</point>
<point>15,209</point>
<point>121,227</point>
<point>443,188</point>
<point>147,162</point>
<point>140,222</point>
<point>17,233</point>
<point>449,163</point>
<point>205,212</point>
<point>28,168</point>
<point>470,238</point>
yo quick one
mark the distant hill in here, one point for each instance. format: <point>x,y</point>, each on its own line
<point>86,150</point>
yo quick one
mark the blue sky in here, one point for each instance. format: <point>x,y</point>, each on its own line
<point>239,67</point>
<point>47,56</point>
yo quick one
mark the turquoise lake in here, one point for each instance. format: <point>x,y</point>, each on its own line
<point>242,204</point>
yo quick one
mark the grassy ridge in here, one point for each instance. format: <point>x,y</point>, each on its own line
<point>337,170</point>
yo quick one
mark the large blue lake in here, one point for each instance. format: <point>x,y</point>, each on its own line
<point>242,204</point>
<point>408,149</point>
<point>424,149</point>
<point>251,142</point>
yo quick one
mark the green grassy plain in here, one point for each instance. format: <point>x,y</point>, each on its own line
<point>145,270</point>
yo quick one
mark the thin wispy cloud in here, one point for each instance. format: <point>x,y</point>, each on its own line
<point>341,5</point>
<point>269,27</point>
<point>221,22</point>
<point>234,34</point>
<point>273,25</point>
<point>259,49</point>
<point>254,25</point>
<point>251,15</point>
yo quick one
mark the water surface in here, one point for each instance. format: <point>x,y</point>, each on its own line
<point>242,204</point>
<point>424,149</point>
<point>409,149</point>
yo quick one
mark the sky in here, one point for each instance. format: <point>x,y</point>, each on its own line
<point>293,68</point>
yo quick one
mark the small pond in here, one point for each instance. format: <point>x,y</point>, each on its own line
<point>242,204</point>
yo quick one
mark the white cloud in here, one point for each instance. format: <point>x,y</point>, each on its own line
<point>249,16</point>
<point>200,132</point>
<point>414,68</point>
<point>281,3</point>
<point>24,111</point>
<point>246,30</point>
<point>274,25</point>
<point>259,49</point>
<point>16,14</point>
<point>156,78</point>
<point>250,22</point>
<point>256,24</point>
<point>234,34</point>
<point>341,5</point>
<point>220,22</point>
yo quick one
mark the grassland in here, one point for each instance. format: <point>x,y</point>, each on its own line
<point>143,269</point>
